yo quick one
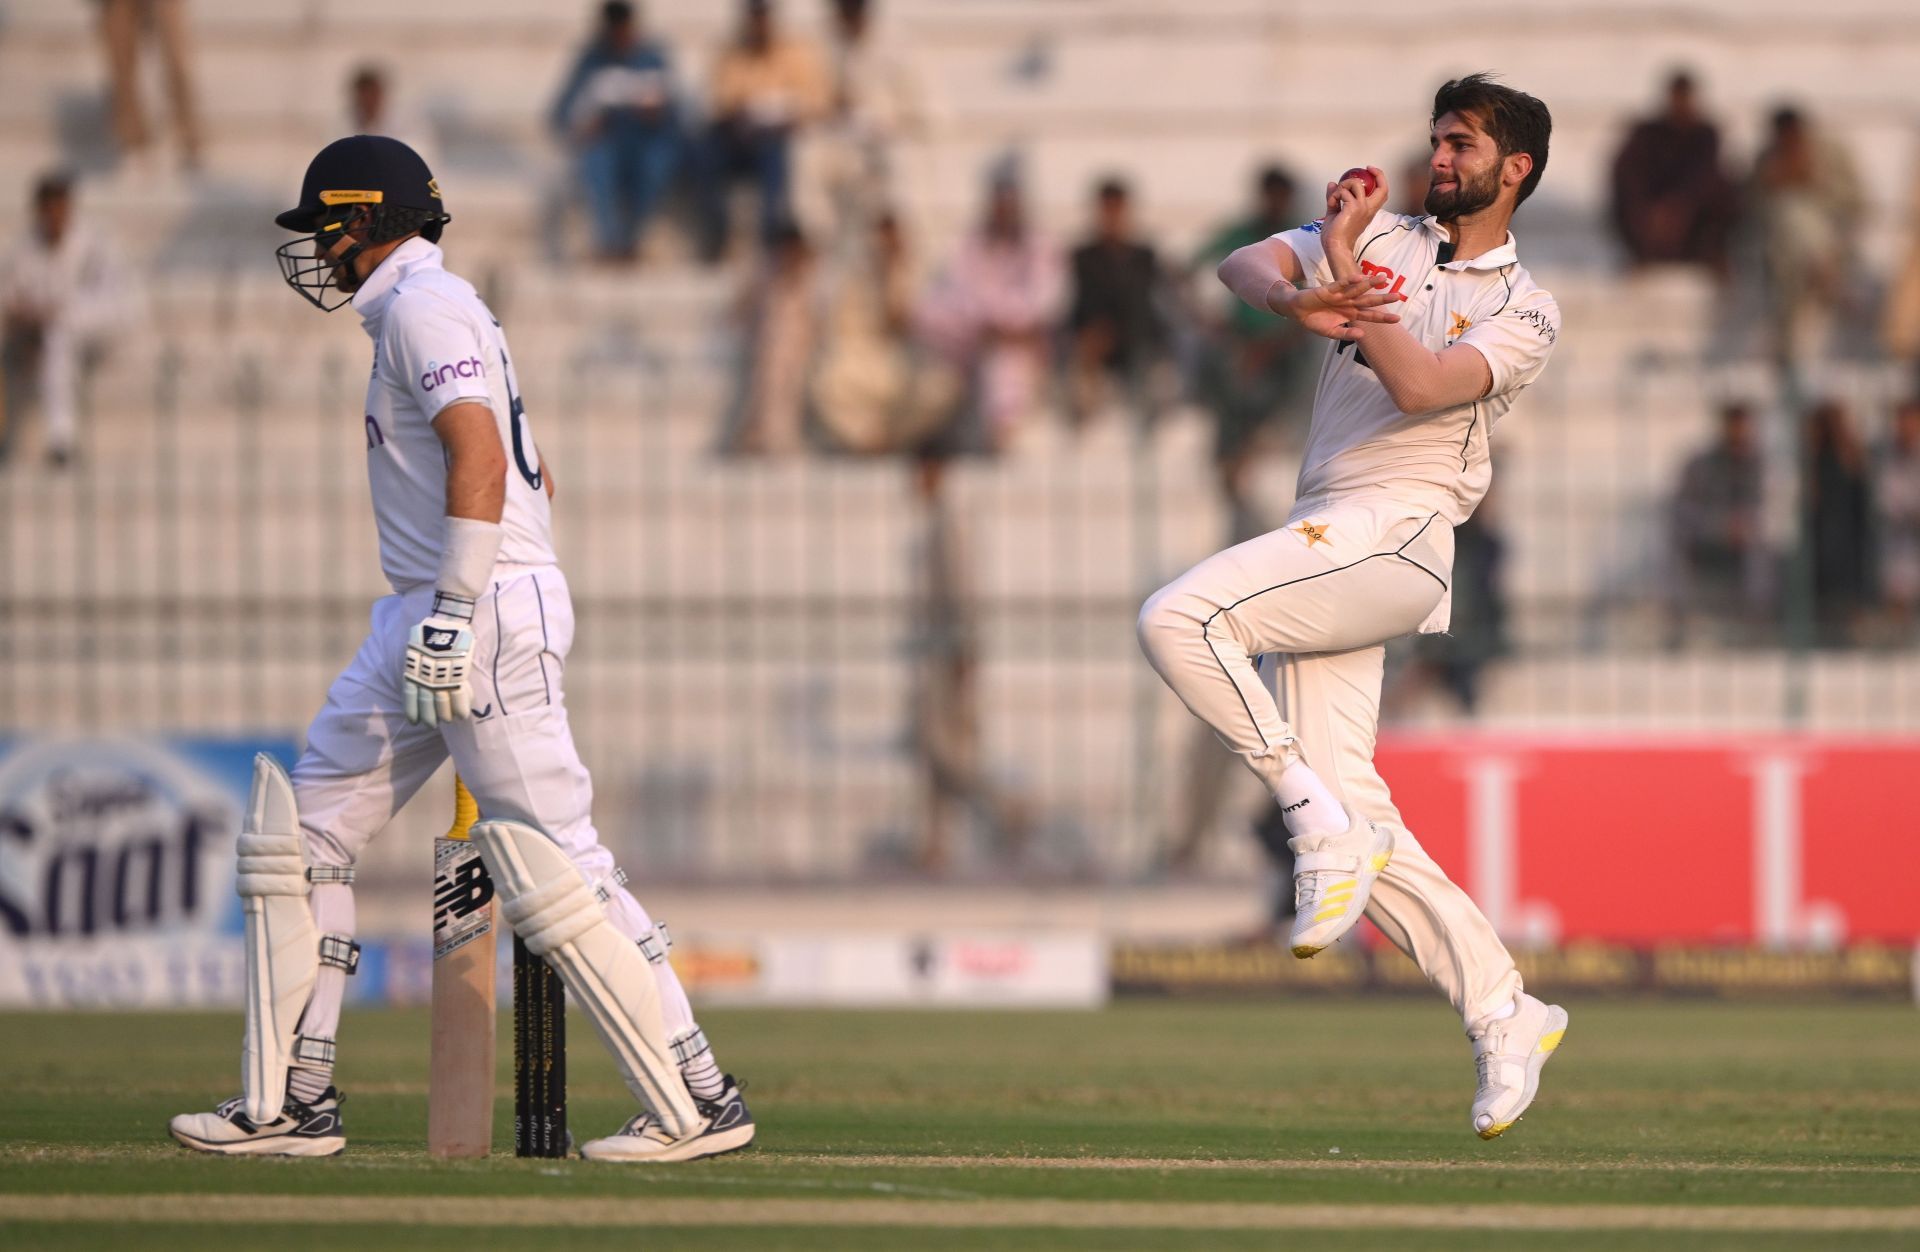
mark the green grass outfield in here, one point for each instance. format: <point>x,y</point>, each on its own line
<point>1148,1125</point>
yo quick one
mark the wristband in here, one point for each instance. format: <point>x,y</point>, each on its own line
<point>466,563</point>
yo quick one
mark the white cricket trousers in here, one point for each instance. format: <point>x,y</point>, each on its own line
<point>364,760</point>
<point>1326,592</point>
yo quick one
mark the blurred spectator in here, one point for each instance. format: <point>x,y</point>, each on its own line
<point>765,88</point>
<point>1454,661</point>
<point>1251,365</point>
<point>1900,327</point>
<point>1806,203</point>
<point>1208,776</point>
<point>618,112</point>
<point>1719,529</point>
<point>1114,322</point>
<point>1410,190</point>
<point>371,110</point>
<point>876,103</point>
<point>872,391</point>
<point>1896,495</point>
<point>946,694</point>
<point>782,309</point>
<point>61,292</point>
<point>1672,202</point>
<point>124,24</point>
<point>989,313</point>
<point>1839,522</point>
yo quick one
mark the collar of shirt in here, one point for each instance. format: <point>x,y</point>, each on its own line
<point>371,301</point>
<point>1492,259</point>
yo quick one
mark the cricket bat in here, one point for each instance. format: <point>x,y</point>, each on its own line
<point>460,1077</point>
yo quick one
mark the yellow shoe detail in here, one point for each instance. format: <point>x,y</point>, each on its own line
<point>1305,950</point>
<point>1380,860</point>
<point>1338,910</point>
<point>1551,1040</point>
<point>1496,1130</point>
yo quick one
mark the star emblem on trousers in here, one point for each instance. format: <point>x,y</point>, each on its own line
<point>1314,534</point>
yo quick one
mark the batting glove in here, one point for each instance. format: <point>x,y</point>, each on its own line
<point>433,686</point>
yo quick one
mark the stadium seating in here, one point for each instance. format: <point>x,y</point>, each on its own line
<point>225,488</point>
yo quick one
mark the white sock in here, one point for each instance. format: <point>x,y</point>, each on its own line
<point>307,1083</point>
<point>1503,1013</point>
<point>333,913</point>
<point>700,1070</point>
<point>1306,805</point>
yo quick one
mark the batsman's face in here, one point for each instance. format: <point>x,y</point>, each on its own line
<point>1465,169</point>
<point>332,248</point>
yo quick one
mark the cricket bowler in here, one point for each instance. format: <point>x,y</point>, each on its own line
<point>1436,329</point>
<point>466,658</point>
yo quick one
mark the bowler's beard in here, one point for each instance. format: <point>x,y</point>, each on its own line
<point>1469,196</point>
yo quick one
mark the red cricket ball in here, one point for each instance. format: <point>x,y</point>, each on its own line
<point>1367,180</point>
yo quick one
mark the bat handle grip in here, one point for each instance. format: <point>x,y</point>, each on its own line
<point>465,811</point>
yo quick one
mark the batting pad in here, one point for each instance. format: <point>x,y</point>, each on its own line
<point>283,945</point>
<point>551,906</point>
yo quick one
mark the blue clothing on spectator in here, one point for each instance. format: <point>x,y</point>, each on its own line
<point>619,109</point>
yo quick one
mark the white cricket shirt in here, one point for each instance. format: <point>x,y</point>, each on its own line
<point>1360,445</point>
<point>435,342</point>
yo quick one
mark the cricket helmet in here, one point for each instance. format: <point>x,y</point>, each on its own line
<point>370,188</point>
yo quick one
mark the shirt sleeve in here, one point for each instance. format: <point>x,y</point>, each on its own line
<point>1516,340</point>
<point>436,354</point>
<point>1305,242</point>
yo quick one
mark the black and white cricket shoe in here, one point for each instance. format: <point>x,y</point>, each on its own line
<point>729,1128</point>
<point>301,1129</point>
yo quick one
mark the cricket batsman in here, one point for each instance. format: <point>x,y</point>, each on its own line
<point>1436,329</point>
<point>465,659</point>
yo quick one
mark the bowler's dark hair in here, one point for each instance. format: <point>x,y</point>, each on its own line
<point>1514,120</point>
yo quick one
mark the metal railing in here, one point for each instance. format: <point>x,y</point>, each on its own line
<point>756,683</point>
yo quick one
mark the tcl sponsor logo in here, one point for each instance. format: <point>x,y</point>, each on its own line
<point>438,374</point>
<point>1398,281</point>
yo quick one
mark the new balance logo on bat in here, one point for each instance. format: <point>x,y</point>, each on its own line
<point>465,891</point>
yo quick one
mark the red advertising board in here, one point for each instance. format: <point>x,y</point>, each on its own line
<point>1774,840</point>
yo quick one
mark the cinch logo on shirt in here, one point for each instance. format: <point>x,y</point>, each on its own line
<point>437,373</point>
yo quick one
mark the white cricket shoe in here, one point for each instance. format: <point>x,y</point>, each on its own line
<point>301,1129</point>
<point>729,1127</point>
<point>1332,878</point>
<point>1510,1054</point>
